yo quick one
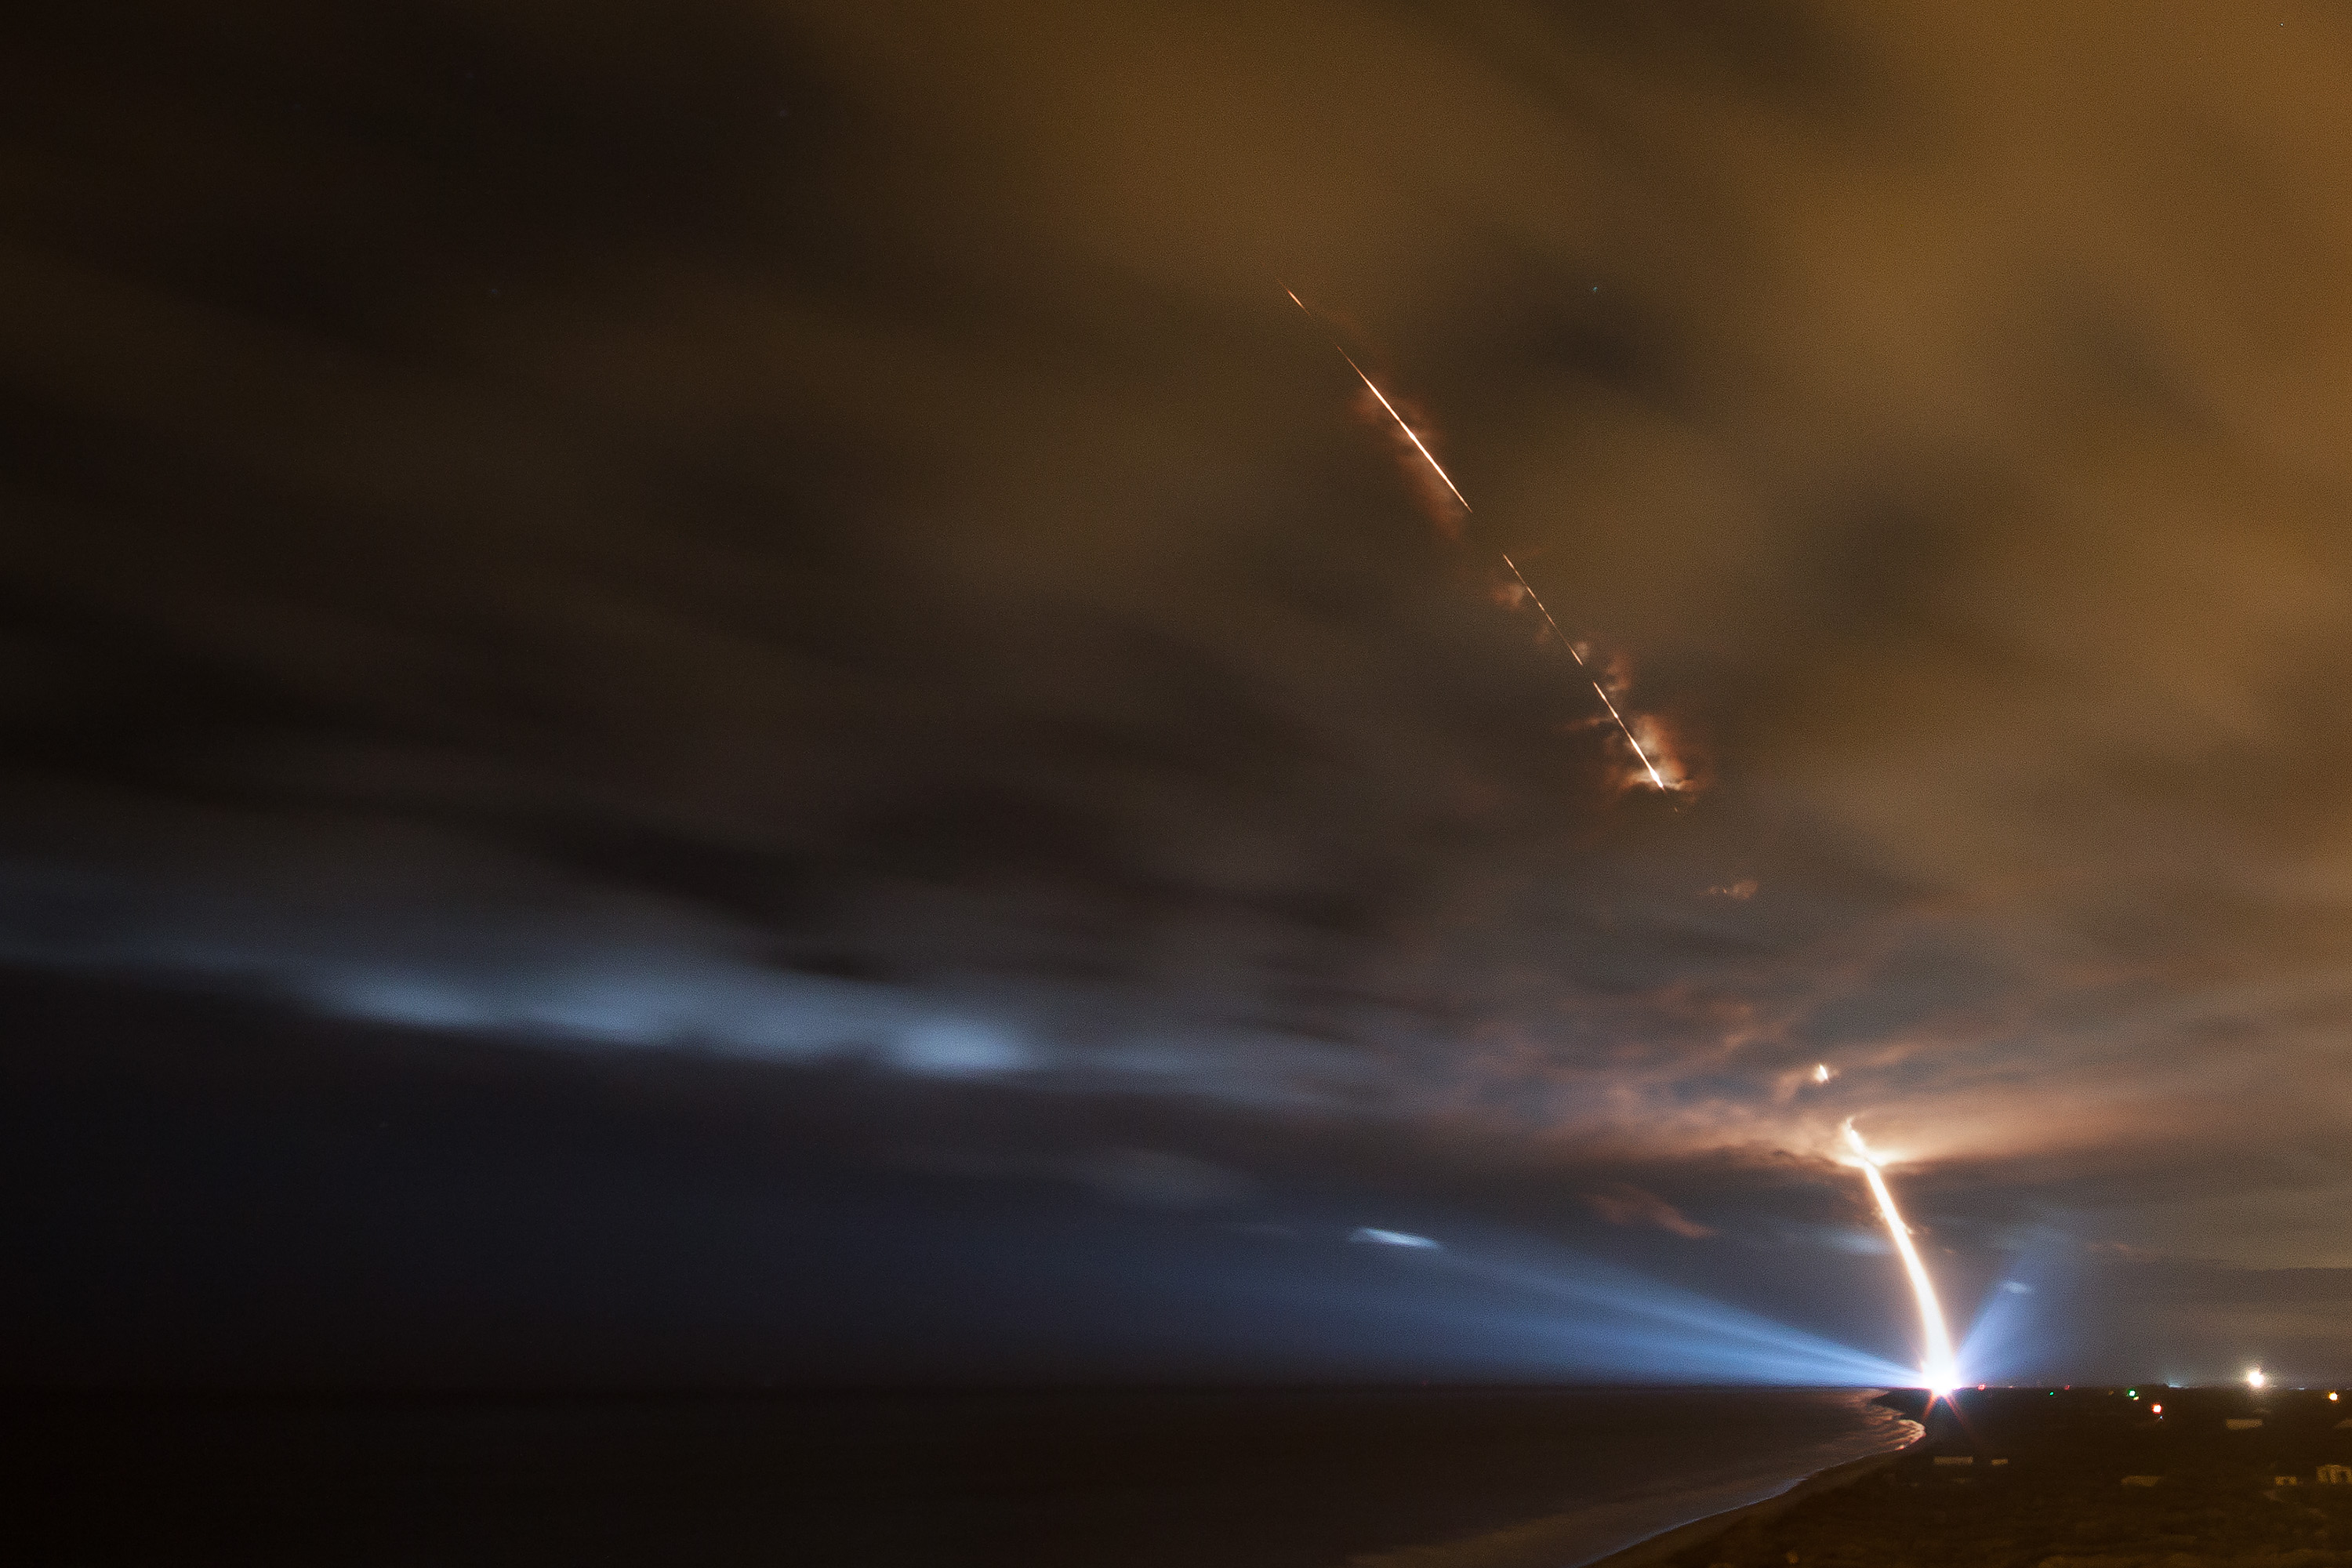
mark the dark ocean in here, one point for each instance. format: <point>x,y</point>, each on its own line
<point>1252,1478</point>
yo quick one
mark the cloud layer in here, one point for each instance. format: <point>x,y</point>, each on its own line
<point>814,533</point>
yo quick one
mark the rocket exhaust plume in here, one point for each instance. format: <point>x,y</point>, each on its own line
<point>1438,469</point>
<point>1942,1369</point>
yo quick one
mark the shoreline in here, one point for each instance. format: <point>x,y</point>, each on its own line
<point>1550,1543</point>
<point>1683,1537</point>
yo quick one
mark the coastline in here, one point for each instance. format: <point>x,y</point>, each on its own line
<point>1554,1541</point>
<point>1659,1547</point>
<point>1151,1478</point>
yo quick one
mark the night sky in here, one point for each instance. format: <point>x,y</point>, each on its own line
<point>723,693</point>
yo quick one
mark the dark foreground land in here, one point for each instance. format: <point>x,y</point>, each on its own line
<point>1104,1478</point>
<point>2060,1500</point>
<point>1383,1478</point>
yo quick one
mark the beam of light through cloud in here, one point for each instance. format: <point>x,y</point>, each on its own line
<point>1507,1301</point>
<point>1661,1331</point>
<point>2009,1337</point>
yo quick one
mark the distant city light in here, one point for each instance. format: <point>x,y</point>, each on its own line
<point>2158,1408</point>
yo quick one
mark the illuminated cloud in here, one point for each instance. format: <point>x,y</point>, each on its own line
<point>1625,1205</point>
<point>1374,1237</point>
<point>1412,441</point>
<point>897,588</point>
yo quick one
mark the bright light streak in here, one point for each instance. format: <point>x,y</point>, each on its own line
<point>1821,1072</point>
<point>1435,465</point>
<point>1942,1368</point>
<point>1426,455</point>
<point>1597,690</point>
<point>2255,1379</point>
<point>1447,479</point>
<point>1665,1328</point>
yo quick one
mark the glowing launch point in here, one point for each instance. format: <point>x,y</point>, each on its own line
<point>1942,1369</point>
<point>2255,1379</point>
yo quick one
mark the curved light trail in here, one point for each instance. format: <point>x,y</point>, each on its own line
<point>1942,1368</point>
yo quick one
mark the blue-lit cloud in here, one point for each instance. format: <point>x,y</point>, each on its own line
<point>1378,1237</point>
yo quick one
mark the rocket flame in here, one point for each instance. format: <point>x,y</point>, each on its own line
<point>1942,1369</point>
